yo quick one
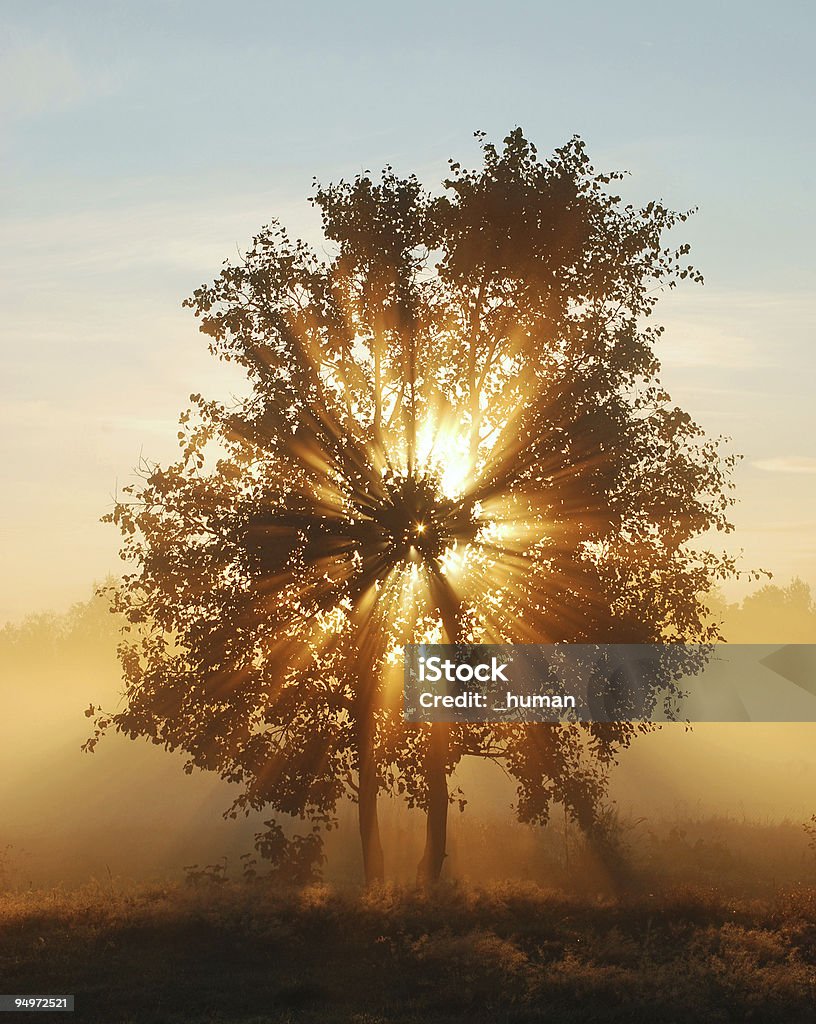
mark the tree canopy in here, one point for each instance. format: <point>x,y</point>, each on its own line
<point>454,430</point>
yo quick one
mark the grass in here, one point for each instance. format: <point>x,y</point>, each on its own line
<point>508,954</point>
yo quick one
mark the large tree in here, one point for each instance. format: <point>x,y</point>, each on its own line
<point>454,430</point>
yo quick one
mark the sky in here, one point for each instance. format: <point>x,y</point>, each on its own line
<point>143,144</point>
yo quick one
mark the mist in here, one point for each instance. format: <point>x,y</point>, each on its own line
<point>129,810</point>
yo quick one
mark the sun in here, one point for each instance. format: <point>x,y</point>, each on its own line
<point>443,449</point>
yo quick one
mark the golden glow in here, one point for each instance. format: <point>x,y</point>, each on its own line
<point>443,450</point>
<point>423,501</point>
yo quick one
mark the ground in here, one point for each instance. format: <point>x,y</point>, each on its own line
<point>508,954</point>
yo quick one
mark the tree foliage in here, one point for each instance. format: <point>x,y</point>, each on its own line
<point>454,428</point>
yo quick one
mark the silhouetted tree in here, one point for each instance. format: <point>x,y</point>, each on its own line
<point>773,614</point>
<point>454,430</point>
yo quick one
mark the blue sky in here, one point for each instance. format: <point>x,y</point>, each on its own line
<point>142,144</point>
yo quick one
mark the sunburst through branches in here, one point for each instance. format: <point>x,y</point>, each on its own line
<point>454,430</point>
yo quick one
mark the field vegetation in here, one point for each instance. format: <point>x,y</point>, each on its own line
<point>708,926</point>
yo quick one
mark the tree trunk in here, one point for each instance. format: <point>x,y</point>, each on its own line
<point>436,763</point>
<point>430,867</point>
<point>373,861</point>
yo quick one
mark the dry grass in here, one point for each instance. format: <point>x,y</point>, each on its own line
<point>511,953</point>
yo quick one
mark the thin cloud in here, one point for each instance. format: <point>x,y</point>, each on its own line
<point>698,346</point>
<point>154,236</point>
<point>42,77</point>
<point>787,464</point>
<point>799,528</point>
<point>744,331</point>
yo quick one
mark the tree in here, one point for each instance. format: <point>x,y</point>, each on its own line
<point>773,614</point>
<point>454,430</point>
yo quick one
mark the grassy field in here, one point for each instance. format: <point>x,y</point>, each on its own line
<point>514,953</point>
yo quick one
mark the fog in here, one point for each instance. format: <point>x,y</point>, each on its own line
<point>128,811</point>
